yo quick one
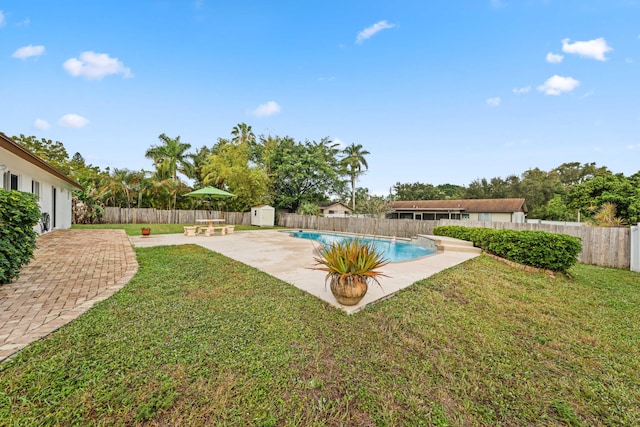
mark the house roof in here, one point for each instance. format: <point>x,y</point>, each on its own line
<point>328,205</point>
<point>467,205</point>
<point>15,148</point>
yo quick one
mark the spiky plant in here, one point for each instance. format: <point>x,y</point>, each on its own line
<point>351,259</point>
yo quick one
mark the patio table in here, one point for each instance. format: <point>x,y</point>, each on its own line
<point>211,225</point>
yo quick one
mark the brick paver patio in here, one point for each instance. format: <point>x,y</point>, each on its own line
<point>72,270</point>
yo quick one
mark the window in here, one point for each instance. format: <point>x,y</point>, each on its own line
<point>332,212</point>
<point>405,215</point>
<point>465,216</point>
<point>455,216</point>
<point>428,216</point>
<point>9,181</point>
<point>484,217</point>
<point>35,188</point>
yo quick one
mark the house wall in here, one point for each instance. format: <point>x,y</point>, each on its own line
<point>336,211</point>
<point>495,217</point>
<point>27,172</point>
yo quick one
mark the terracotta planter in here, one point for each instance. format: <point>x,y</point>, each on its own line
<point>146,231</point>
<point>348,290</point>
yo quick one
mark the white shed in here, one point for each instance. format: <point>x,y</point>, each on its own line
<point>263,216</point>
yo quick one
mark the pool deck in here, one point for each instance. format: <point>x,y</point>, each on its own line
<point>291,259</point>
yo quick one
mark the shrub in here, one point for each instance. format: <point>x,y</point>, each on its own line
<point>19,213</point>
<point>557,252</point>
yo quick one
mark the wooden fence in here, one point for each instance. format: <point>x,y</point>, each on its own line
<point>174,216</point>
<point>604,246</point>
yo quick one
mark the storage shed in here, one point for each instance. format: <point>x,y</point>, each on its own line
<point>263,216</point>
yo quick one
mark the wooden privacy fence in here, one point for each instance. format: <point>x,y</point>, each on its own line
<point>173,216</point>
<point>604,246</point>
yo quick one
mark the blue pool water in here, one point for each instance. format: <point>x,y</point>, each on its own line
<point>391,251</point>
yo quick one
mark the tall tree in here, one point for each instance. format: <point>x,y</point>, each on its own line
<point>229,168</point>
<point>170,157</point>
<point>353,161</point>
<point>53,152</point>
<point>303,172</point>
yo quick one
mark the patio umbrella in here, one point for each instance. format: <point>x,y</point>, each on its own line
<point>211,193</point>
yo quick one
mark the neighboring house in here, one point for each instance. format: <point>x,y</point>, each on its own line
<point>496,210</point>
<point>23,171</point>
<point>335,209</point>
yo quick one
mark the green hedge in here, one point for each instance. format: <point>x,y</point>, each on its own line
<point>557,252</point>
<point>19,213</point>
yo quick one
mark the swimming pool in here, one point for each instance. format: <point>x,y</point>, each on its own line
<point>391,250</point>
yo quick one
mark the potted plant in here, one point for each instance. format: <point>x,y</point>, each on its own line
<point>146,231</point>
<point>350,265</point>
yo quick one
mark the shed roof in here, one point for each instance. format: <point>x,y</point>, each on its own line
<point>467,205</point>
<point>15,148</point>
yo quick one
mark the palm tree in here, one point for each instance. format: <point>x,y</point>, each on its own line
<point>353,161</point>
<point>170,157</point>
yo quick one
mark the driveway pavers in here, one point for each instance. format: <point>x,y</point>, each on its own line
<point>71,270</point>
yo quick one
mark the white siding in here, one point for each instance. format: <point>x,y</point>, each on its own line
<point>27,172</point>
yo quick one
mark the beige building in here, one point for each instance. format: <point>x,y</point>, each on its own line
<point>489,210</point>
<point>335,209</point>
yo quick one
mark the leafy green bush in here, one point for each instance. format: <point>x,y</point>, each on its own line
<point>557,252</point>
<point>19,213</point>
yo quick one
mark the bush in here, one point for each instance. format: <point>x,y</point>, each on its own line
<point>19,213</point>
<point>557,252</point>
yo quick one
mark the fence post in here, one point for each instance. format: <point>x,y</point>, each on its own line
<point>635,248</point>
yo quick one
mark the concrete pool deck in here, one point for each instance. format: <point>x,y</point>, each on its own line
<point>290,259</point>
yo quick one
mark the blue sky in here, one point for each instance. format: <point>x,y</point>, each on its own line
<point>441,91</point>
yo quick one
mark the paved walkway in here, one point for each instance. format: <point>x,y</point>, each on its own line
<point>72,270</point>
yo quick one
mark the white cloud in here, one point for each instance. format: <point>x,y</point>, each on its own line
<point>28,51</point>
<point>268,109</point>
<point>595,49</point>
<point>633,147</point>
<point>556,85</point>
<point>338,141</point>
<point>369,32</point>
<point>41,124</point>
<point>493,102</point>
<point>72,121</point>
<point>95,66</point>
<point>629,60</point>
<point>24,23</point>
<point>2,19</point>
<point>554,58</point>
<point>521,90</point>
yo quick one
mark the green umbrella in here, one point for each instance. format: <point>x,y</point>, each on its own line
<point>210,191</point>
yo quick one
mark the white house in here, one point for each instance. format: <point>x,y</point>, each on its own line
<point>23,171</point>
<point>496,210</point>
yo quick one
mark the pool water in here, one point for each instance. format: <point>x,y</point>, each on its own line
<point>391,250</point>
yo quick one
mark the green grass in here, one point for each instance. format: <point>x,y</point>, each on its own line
<point>198,339</point>
<point>134,229</point>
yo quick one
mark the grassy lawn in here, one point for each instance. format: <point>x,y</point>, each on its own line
<point>134,229</point>
<point>198,339</point>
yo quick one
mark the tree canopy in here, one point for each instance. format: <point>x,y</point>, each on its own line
<point>289,174</point>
